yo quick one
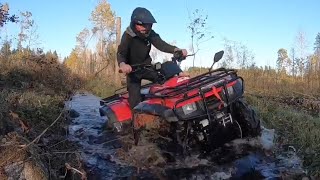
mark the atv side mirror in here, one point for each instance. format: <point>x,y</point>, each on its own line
<point>218,56</point>
<point>157,66</point>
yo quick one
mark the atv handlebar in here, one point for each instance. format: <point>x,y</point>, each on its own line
<point>138,67</point>
<point>177,57</point>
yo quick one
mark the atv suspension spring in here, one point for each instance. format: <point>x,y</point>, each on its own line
<point>182,134</point>
<point>239,128</point>
<point>186,137</point>
<point>178,129</point>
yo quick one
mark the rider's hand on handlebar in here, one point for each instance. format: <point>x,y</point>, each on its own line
<point>125,68</point>
<point>184,51</point>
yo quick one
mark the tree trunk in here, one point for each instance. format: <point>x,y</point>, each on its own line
<point>116,67</point>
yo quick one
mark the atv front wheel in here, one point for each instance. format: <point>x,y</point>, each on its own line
<point>247,118</point>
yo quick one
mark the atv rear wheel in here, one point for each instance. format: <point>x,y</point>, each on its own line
<point>247,118</point>
<point>114,126</point>
<point>119,128</point>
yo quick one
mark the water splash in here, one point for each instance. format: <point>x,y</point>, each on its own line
<point>109,157</point>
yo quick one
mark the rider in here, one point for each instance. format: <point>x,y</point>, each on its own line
<point>135,47</point>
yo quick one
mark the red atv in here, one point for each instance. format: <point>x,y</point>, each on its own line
<point>204,111</point>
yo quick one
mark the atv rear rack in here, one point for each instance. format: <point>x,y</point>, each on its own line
<point>123,90</point>
<point>119,93</point>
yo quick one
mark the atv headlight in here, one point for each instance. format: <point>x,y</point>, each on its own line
<point>189,108</point>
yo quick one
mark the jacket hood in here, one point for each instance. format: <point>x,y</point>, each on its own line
<point>130,32</point>
<point>133,33</point>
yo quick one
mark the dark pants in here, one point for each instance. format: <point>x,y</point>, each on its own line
<point>134,84</point>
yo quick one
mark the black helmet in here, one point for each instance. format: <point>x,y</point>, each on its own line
<point>142,15</point>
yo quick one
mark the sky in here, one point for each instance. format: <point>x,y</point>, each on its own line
<point>263,26</point>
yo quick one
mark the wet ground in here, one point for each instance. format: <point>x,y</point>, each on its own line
<point>107,156</point>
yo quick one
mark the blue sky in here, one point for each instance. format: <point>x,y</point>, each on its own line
<point>263,26</point>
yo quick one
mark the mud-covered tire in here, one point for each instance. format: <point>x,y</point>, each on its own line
<point>110,123</point>
<point>123,129</point>
<point>103,111</point>
<point>247,118</point>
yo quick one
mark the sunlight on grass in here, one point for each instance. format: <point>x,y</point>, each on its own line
<point>292,127</point>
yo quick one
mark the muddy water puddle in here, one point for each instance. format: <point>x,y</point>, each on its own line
<point>107,156</point>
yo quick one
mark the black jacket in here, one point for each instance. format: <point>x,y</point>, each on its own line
<point>134,49</point>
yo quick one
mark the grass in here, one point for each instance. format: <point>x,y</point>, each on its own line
<point>34,92</point>
<point>101,87</point>
<point>293,127</point>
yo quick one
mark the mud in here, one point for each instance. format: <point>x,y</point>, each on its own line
<point>107,156</point>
